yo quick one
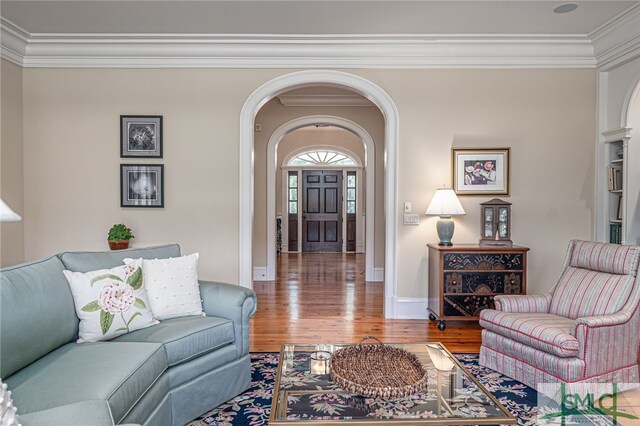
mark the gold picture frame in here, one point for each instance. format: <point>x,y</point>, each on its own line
<point>480,171</point>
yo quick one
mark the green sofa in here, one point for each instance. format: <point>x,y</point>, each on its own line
<point>166,374</point>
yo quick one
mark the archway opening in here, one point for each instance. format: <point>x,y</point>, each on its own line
<point>327,78</point>
<point>368,208</point>
<point>631,202</point>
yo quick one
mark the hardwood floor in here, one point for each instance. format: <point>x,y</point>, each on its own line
<point>323,298</point>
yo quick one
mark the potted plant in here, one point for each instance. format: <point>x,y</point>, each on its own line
<point>119,236</point>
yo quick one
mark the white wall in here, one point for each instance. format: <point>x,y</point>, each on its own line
<point>71,153</point>
<point>11,159</point>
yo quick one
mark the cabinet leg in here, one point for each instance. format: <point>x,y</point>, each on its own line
<point>432,317</point>
<point>441,325</point>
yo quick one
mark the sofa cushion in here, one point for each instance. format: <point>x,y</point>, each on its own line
<point>185,338</point>
<point>549,333</point>
<point>94,412</point>
<point>119,373</point>
<point>91,260</point>
<point>110,302</point>
<point>584,293</point>
<point>36,313</point>
<point>603,257</point>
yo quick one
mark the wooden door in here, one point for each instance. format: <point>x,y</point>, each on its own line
<point>321,210</point>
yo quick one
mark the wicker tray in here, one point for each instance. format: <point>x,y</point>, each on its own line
<point>377,370</point>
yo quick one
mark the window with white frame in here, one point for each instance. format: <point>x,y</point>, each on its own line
<point>321,158</point>
<point>293,192</point>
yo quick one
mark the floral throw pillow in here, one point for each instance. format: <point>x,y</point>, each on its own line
<point>110,302</point>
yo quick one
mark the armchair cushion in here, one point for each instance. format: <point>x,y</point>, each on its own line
<point>549,333</point>
<point>610,258</point>
<point>586,293</point>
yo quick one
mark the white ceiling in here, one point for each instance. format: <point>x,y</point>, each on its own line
<point>310,17</point>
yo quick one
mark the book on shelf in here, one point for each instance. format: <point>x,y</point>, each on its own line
<point>614,176</point>
<point>615,233</point>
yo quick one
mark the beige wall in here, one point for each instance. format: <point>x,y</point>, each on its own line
<point>272,116</point>
<point>11,176</point>
<point>71,150</point>
<point>72,158</point>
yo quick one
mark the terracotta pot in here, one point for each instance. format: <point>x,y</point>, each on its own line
<point>118,244</point>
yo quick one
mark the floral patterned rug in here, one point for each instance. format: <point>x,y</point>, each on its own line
<point>252,408</point>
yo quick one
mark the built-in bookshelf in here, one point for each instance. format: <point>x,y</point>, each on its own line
<point>622,186</point>
<point>615,186</point>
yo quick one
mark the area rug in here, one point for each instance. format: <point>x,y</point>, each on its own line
<point>252,408</point>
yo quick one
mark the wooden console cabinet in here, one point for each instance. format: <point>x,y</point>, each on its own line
<point>463,279</point>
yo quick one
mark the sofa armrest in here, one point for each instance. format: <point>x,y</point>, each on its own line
<point>609,342</point>
<point>232,302</point>
<point>523,303</point>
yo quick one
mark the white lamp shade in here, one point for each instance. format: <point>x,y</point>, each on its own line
<point>6,214</point>
<point>445,203</point>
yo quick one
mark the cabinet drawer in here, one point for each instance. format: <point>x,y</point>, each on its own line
<point>466,306</point>
<point>483,282</point>
<point>483,262</point>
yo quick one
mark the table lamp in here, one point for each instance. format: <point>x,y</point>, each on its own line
<point>445,204</point>
<point>6,214</point>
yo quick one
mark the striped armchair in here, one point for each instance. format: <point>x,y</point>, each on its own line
<point>586,329</point>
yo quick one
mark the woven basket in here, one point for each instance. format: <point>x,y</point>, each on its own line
<point>378,370</point>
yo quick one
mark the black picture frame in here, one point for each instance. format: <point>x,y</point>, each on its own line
<point>142,185</point>
<point>141,136</point>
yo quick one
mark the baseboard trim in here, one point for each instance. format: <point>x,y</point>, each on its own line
<point>378,274</point>
<point>260,273</point>
<point>412,308</point>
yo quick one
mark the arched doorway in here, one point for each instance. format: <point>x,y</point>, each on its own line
<point>631,170</point>
<point>390,113</point>
<point>366,138</point>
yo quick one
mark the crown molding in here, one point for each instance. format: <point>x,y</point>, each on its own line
<point>13,41</point>
<point>325,100</point>
<point>617,41</point>
<point>295,51</point>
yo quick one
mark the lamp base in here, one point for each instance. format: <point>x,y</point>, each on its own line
<point>445,228</point>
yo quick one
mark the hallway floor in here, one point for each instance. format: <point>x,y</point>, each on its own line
<point>323,298</point>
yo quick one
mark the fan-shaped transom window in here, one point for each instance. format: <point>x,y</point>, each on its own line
<point>322,158</point>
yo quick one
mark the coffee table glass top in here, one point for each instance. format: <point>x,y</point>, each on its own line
<point>305,394</point>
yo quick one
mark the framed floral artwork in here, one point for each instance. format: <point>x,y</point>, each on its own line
<point>141,185</point>
<point>141,136</point>
<point>480,171</point>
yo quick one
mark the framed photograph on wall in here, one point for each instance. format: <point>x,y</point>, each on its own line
<point>141,185</point>
<point>480,171</point>
<point>141,136</point>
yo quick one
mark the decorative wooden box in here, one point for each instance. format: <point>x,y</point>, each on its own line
<point>463,279</point>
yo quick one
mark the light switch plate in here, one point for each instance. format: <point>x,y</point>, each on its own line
<point>407,206</point>
<point>411,219</point>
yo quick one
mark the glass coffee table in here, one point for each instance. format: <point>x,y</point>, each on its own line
<point>305,394</point>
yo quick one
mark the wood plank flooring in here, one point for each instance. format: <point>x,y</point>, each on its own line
<point>323,298</point>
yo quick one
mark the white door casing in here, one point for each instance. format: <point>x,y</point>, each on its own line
<point>389,111</point>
